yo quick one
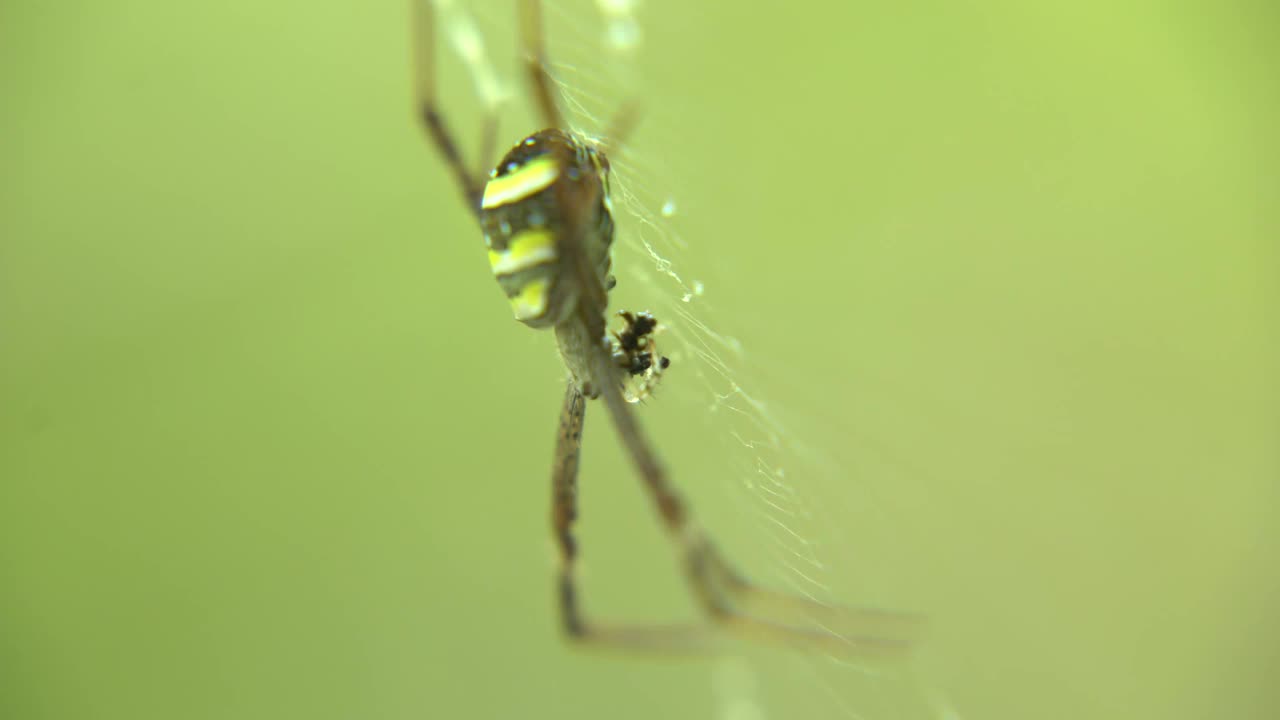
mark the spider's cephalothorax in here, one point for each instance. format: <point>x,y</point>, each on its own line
<point>523,214</point>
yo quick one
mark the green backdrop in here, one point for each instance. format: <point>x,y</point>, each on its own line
<point>271,446</point>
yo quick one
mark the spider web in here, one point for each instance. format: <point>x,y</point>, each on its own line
<point>784,511</point>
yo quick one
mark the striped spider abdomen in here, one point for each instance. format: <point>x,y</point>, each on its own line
<point>523,214</point>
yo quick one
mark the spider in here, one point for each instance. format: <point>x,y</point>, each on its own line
<point>546,218</point>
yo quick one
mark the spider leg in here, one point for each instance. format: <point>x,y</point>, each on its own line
<point>533,49</point>
<point>734,603</point>
<point>564,511</point>
<point>620,126</point>
<point>424,44</point>
<point>726,596</point>
<point>564,501</point>
<point>488,141</point>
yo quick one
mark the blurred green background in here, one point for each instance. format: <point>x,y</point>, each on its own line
<point>271,446</point>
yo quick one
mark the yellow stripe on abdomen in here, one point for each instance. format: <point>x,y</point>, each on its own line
<point>525,249</point>
<point>528,179</point>
<point>530,303</point>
